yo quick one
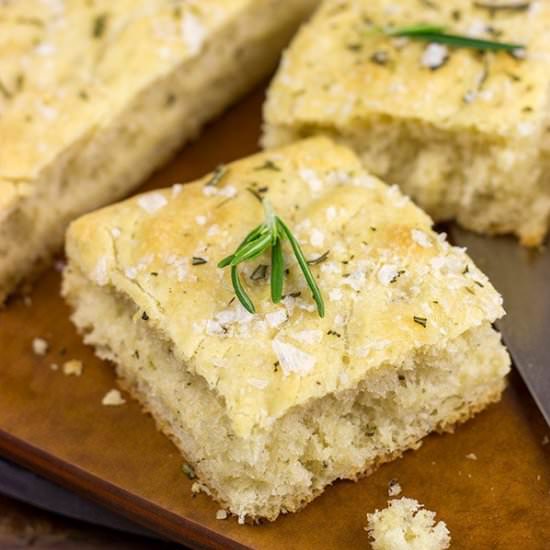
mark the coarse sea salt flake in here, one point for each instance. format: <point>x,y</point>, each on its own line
<point>151,202</point>
<point>292,359</point>
<point>308,336</point>
<point>330,213</point>
<point>356,280</point>
<point>420,238</point>
<point>276,318</point>
<point>45,48</point>
<point>213,230</point>
<point>335,294</point>
<point>258,383</point>
<point>214,327</point>
<point>311,178</point>
<point>100,274</point>
<point>193,33</point>
<point>434,56</point>
<point>317,238</point>
<point>387,273</point>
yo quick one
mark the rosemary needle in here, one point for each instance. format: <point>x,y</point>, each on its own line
<point>270,235</point>
<point>436,33</point>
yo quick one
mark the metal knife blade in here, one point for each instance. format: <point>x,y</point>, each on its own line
<point>522,276</point>
<point>26,486</point>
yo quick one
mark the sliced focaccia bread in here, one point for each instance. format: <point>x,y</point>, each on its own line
<point>464,132</point>
<point>271,407</point>
<point>95,95</point>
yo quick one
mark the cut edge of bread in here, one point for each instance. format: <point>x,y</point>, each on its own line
<point>465,386</point>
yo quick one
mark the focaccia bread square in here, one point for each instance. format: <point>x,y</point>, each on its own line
<point>95,95</point>
<point>271,407</point>
<point>463,132</point>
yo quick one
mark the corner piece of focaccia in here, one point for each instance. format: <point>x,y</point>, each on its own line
<point>96,95</point>
<point>464,133</point>
<point>272,407</point>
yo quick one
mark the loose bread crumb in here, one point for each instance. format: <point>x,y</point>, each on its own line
<point>404,525</point>
<point>221,514</point>
<point>72,367</point>
<point>471,456</point>
<point>40,346</point>
<point>113,398</point>
<point>394,488</point>
<point>54,366</point>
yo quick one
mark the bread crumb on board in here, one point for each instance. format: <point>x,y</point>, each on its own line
<point>394,488</point>
<point>471,456</point>
<point>221,514</point>
<point>405,525</point>
<point>40,346</point>
<point>113,398</point>
<point>72,368</point>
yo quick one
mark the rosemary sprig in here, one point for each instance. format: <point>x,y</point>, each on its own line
<point>436,33</point>
<point>270,234</point>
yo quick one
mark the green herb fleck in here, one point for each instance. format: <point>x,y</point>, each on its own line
<point>254,193</point>
<point>188,471</point>
<point>398,274</point>
<point>99,25</point>
<point>320,259</point>
<point>4,91</point>
<point>420,320</point>
<point>217,175</point>
<point>259,273</point>
<point>268,165</point>
<point>379,57</point>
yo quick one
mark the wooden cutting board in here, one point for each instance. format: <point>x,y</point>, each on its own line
<point>56,425</point>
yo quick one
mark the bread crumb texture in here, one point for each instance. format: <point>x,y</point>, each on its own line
<point>464,133</point>
<point>297,400</point>
<point>95,95</point>
<point>406,525</point>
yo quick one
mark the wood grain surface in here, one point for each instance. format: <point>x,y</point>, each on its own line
<point>56,425</point>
